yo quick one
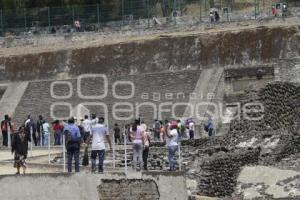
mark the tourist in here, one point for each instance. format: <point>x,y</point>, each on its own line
<point>217,16</point>
<point>77,25</point>
<point>57,129</point>
<point>163,130</point>
<point>143,125</point>
<point>86,124</point>
<point>210,127</point>
<point>191,128</point>
<point>73,138</point>
<point>146,138</point>
<point>117,134</point>
<point>137,135</point>
<point>157,130</point>
<point>20,148</point>
<point>180,129</point>
<point>172,144</point>
<point>39,128</point>
<point>211,17</point>
<point>6,129</point>
<point>30,129</point>
<point>98,136</point>
<point>46,132</point>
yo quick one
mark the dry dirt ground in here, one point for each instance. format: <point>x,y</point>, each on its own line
<point>48,43</point>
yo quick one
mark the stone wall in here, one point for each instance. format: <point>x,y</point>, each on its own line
<point>91,186</point>
<point>158,53</point>
<point>128,189</point>
<point>152,89</point>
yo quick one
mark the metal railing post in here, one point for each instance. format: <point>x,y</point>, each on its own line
<point>73,14</point>
<point>148,17</point>
<point>49,148</point>
<point>122,12</point>
<point>31,138</point>
<point>255,8</point>
<point>64,152</point>
<point>179,155</point>
<point>2,28</point>
<point>200,10</point>
<point>25,19</point>
<point>49,19</point>
<point>98,14</point>
<point>125,147</point>
<point>114,152</point>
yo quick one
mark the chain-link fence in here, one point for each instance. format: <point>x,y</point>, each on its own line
<point>122,11</point>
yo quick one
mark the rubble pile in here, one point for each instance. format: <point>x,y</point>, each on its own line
<point>277,106</point>
<point>217,175</point>
<point>282,104</point>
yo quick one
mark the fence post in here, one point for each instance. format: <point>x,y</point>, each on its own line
<point>125,154</point>
<point>49,19</point>
<point>2,28</point>
<point>179,155</point>
<point>200,10</point>
<point>73,14</point>
<point>31,139</point>
<point>49,148</point>
<point>64,151</point>
<point>98,14</point>
<point>122,12</point>
<point>148,17</point>
<point>25,19</point>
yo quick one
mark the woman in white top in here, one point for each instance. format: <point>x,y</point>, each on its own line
<point>137,138</point>
<point>172,145</point>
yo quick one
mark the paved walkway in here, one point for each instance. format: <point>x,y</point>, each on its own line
<point>7,155</point>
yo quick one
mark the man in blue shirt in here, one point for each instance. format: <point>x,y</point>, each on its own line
<point>73,139</point>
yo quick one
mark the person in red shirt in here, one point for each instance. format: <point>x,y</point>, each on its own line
<point>57,129</point>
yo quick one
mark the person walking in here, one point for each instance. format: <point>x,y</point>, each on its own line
<point>86,124</point>
<point>73,139</point>
<point>30,129</point>
<point>39,128</point>
<point>57,129</point>
<point>146,138</point>
<point>137,135</point>
<point>98,136</point>
<point>192,129</point>
<point>117,134</point>
<point>157,130</point>
<point>6,129</point>
<point>20,148</point>
<point>172,144</point>
<point>46,132</point>
<point>209,127</point>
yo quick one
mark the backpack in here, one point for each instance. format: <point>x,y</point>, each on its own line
<point>69,138</point>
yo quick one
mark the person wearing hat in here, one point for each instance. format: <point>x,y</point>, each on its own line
<point>172,144</point>
<point>20,148</point>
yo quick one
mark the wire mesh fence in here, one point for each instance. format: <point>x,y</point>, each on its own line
<point>126,10</point>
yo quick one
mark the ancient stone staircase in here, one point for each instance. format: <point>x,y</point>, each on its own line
<point>208,83</point>
<point>12,97</point>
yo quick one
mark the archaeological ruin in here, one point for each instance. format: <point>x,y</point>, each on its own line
<point>245,76</point>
